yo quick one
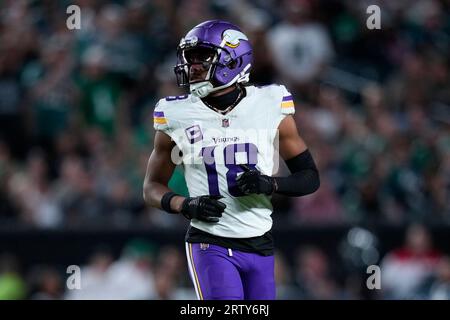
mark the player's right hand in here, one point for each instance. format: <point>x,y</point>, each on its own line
<point>204,208</point>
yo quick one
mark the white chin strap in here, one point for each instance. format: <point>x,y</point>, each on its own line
<point>204,88</point>
<point>201,89</point>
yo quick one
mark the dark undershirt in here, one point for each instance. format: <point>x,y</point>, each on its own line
<point>262,245</point>
<point>222,102</point>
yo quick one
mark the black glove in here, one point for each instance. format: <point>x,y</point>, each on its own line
<point>252,181</point>
<point>204,208</point>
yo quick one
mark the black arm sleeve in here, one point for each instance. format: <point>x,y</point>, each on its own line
<point>304,178</point>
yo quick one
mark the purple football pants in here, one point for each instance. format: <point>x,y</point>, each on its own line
<point>219,273</point>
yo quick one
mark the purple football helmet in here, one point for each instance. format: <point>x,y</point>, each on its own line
<point>226,58</point>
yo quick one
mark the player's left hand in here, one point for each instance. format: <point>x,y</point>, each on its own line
<point>252,181</point>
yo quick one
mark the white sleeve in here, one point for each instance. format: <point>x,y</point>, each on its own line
<point>287,102</point>
<point>160,120</point>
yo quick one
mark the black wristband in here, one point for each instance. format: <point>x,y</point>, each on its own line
<point>165,201</point>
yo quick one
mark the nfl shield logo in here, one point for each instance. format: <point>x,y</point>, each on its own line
<point>225,123</point>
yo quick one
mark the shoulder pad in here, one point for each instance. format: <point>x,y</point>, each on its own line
<point>282,95</point>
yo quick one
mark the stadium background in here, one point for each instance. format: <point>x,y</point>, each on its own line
<point>76,132</point>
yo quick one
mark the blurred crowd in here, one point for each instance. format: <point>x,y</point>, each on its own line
<point>75,105</point>
<point>373,106</point>
<point>141,271</point>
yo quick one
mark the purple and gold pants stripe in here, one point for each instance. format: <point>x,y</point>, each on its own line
<point>193,271</point>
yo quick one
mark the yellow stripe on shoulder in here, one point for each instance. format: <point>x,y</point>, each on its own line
<point>160,120</point>
<point>287,104</point>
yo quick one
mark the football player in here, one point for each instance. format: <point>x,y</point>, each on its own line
<point>229,134</point>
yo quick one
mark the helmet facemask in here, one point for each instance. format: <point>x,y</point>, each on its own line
<point>195,65</point>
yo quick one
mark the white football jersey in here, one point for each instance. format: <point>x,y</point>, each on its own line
<point>214,145</point>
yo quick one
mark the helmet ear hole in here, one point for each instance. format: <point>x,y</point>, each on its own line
<point>233,64</point>
<point>240,62</point>
<point>236,63</point>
